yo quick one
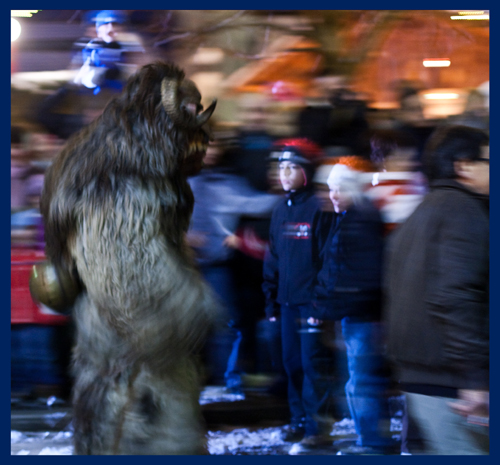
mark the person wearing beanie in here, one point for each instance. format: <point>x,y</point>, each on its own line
<point>102,55</point>
<point>106,22</point>
<point>349,291</point>
<point>298,231</point>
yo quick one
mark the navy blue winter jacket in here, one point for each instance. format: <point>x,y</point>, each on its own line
<point>350,281</point>
<point>299,229</point>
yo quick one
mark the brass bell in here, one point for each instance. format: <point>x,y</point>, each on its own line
<point>53,287</point>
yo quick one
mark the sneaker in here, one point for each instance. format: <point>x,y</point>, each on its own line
<point>317,445</point>
<point>293,433</point>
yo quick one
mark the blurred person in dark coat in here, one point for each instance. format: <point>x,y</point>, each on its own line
<point>349,290</point>
<point>222,197</point>
<point>437,289</point>
<point>251,161</point>
<point>299,228</point>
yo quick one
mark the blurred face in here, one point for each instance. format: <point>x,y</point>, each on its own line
<point>481,173</point>
<point>475,174</point>
<point>107,32</point>
<point>213,155</point>
<point>341,199</point>
<point>291,176</point>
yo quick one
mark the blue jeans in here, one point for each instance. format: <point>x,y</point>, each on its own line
<point>221,280</point>
<point>366,389</point>
<point>306,361</point>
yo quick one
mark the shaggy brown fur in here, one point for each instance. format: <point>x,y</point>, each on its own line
<point>116,206</point>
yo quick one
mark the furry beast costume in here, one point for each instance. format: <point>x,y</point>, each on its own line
<point>116,206</point>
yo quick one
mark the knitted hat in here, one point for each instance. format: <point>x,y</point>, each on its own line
<point>301,151</point>
<point>109,16</point>
<point>347,178</point>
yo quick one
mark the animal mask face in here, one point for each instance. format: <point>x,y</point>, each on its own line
<point>162,118</point>
<point>182,102</point>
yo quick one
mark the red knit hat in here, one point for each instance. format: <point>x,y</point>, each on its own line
<point>299,150</point>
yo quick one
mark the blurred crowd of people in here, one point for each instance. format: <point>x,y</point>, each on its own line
<point>313,266</point>
<point>291,227</point>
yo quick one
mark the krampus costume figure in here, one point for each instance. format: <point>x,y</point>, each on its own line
<point>116,206</point>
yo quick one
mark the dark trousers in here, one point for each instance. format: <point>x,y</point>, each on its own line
<point>221,279</point>
<point>307,364</point>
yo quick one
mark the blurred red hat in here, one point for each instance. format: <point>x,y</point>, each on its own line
<point>298,150</point>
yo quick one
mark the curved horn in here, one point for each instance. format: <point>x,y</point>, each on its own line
<point>202,118</point>
<point>169,98</point>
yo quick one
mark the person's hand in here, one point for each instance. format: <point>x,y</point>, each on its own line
<point>474,405</point>
<point>83,71</point>
<point>232,241</point>
<point>314,321</point>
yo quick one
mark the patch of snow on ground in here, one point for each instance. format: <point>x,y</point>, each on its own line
<point>240,441</point>
<point>213,394</point>
<point>343,428</point>
<point>68,450</point>
<point>243,440</point>
<point>16,437</point>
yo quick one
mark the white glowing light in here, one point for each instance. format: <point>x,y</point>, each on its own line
<point>23,13</point>
<point>15,29</point>
<point>441,96</point>
<point>471,15</point>
<point>437,63</point>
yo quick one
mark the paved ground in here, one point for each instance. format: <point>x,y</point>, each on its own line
<point>249,424</point>
<point>43,426</point>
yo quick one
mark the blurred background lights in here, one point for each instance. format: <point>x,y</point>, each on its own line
<point>441,96</point>
<point>436,62</point>
<point>471,15</point>
<point>23,13</point>
<point>15,29</point>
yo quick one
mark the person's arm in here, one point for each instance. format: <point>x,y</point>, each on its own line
<point>271,275</point>
<point>324,225</point>
<point>244,200</point>
<point>458,295</point>
<point>248,242</point>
